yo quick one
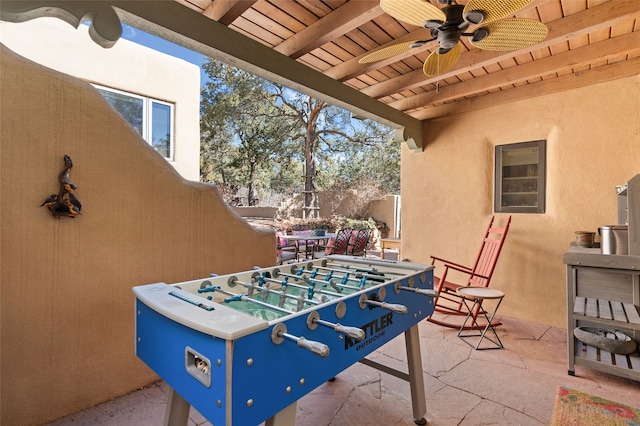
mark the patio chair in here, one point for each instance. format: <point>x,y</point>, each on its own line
<point>337,245</point>
<point>359,242</point>
<point>285,249</point>
<point>449,302</point>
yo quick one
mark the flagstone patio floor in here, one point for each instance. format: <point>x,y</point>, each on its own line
<point>511,386</point>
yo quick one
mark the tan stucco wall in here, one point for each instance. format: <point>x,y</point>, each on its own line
<point>593,144</point>
<point>67,309</point>
<point>126,66</point>
<point>384,210</point>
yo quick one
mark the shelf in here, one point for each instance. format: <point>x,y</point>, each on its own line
<point>606,312</point>
<point>598,359</point>
<point>519,177</point>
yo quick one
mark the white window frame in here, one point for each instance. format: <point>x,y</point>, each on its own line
<point>147,116</point>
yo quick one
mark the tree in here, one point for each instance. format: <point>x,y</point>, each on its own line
<point>323,128</point>
<point>259,140</point>
<point>261,134</point>
<point>241,130</point>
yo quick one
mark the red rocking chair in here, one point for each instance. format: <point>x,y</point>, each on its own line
<point>449,302</point>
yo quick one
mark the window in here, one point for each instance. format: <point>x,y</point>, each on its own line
<point>152,119</point>
<point>520,177</point>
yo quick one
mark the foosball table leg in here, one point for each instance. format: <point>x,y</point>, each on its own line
<point>177,411</point>
<point>416,379</point>
<point>285,417</point>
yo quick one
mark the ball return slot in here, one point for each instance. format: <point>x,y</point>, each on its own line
<point>198,366</point>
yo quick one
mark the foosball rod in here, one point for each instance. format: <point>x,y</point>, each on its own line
<point>344,278</point>
<point>393,307</point>
<point>337,287</point>
<point>361,269</point>
<point>243,297</point>
<point>423,291</point>
<point>355,333</point>
<point>368,274</point>
<point>309,289</point>
<point>265,291</point>
<point>279,333</point>
<point>277,272</point>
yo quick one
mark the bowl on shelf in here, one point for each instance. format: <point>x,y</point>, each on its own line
<point>585,238</point>
<point>612,341</point>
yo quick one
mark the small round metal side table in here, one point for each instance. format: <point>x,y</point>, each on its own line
<point>477,295</point>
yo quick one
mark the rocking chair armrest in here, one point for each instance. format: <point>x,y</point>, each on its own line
<point>466,271</point>
<point>449,263</point>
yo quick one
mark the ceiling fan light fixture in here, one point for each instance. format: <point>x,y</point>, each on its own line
<point>474,17</point>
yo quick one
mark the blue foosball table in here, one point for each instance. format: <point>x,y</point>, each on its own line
<point>243,348</point>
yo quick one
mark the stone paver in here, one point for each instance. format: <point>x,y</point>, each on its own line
<point>514,385</point>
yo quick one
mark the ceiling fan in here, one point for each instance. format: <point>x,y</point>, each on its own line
<point>447,25</point>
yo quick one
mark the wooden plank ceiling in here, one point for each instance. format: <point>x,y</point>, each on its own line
<point>596,40</point>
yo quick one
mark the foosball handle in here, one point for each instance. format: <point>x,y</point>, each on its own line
<point>316,348</point>
<point>427,292</point>
<point>394,307</point>
<point>354,332</point>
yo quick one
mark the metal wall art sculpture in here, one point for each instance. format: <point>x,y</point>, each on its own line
<point>64,203</point>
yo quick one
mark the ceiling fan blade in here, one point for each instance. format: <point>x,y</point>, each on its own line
<point>387,52</point>
<point>494,9</point>
<point>511,34</point>
<point>438,63</point>
<point>413,12</point>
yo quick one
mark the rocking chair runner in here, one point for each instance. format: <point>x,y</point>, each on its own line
<point>449,302</point>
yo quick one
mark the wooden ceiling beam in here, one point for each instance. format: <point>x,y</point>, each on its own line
<point>593,19</point>
<point>227,11</point>
<point>346,18</point>
<point>604,50</point>
<point>601,74</point>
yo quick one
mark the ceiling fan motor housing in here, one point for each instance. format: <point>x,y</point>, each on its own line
<point>449,33</point>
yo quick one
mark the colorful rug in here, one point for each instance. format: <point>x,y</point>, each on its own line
<point>581,409</point>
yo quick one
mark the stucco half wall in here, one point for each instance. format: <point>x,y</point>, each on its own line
<point>67,308</point>
<point>593,144</point>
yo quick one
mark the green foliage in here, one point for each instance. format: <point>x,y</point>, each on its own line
<point>266,137</point>
<point>332,224</point>
<point>243,133</point>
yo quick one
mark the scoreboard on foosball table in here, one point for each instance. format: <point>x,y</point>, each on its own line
<point>243,348</point>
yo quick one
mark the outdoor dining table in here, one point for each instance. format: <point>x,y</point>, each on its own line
<point>315,238</point>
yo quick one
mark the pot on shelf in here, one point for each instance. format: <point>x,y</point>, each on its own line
<point>585,238</point>
<point>614,239</point>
